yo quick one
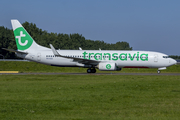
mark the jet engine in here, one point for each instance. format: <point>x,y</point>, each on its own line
<point>108,67</point>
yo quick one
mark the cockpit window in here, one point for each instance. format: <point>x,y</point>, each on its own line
<point>166,57</point>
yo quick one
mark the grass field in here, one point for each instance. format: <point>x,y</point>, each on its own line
<point>26,67</point>
<point>89,97</point>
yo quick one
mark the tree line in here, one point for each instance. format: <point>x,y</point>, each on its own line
<point>175,57</point>
<point>58,40</point>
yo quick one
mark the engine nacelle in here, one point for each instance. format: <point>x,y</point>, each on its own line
<point>108,66</point>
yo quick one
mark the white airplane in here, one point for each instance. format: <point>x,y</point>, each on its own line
<point>107,60</point>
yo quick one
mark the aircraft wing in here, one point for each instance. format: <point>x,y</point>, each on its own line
<point>79,60</point>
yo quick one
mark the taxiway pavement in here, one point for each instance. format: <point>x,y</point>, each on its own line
<point>161,74</point>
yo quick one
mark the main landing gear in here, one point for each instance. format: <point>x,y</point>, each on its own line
<point>89,70</point>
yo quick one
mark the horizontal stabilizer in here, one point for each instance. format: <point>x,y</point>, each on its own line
<point>16,51</point>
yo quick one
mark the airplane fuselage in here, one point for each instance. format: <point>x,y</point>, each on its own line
<point>122,58</point>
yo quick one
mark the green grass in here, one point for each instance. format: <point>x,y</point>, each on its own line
<point>37,67</point>
<point>89,97</point>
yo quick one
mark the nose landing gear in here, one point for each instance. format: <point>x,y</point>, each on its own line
<point>159,69</point>
<point>89,70</point>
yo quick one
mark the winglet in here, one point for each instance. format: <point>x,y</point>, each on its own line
<point>54,51</point>
<point>80,48</point>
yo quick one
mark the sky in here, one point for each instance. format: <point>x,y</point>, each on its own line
<point>151,25</point>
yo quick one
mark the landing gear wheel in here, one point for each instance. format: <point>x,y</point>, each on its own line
<point>89,70</point>
<point>158,71</point>
<point>93,70</point>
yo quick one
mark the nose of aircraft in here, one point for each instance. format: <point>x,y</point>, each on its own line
<point>173,61</point>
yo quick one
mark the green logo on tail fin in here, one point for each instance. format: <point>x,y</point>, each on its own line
<point>23,39</point>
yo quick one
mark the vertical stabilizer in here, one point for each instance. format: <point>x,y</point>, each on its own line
<point>24,41</point>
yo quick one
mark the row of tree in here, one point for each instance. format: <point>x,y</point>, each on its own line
<point>175,57</point>
<point>62,41</point>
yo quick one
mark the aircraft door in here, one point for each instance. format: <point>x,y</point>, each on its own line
<point>155,58</point>
<point>39,57</point>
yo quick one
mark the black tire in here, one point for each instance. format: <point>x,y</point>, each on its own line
<point>89,70</point>
<point>93,70</point>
